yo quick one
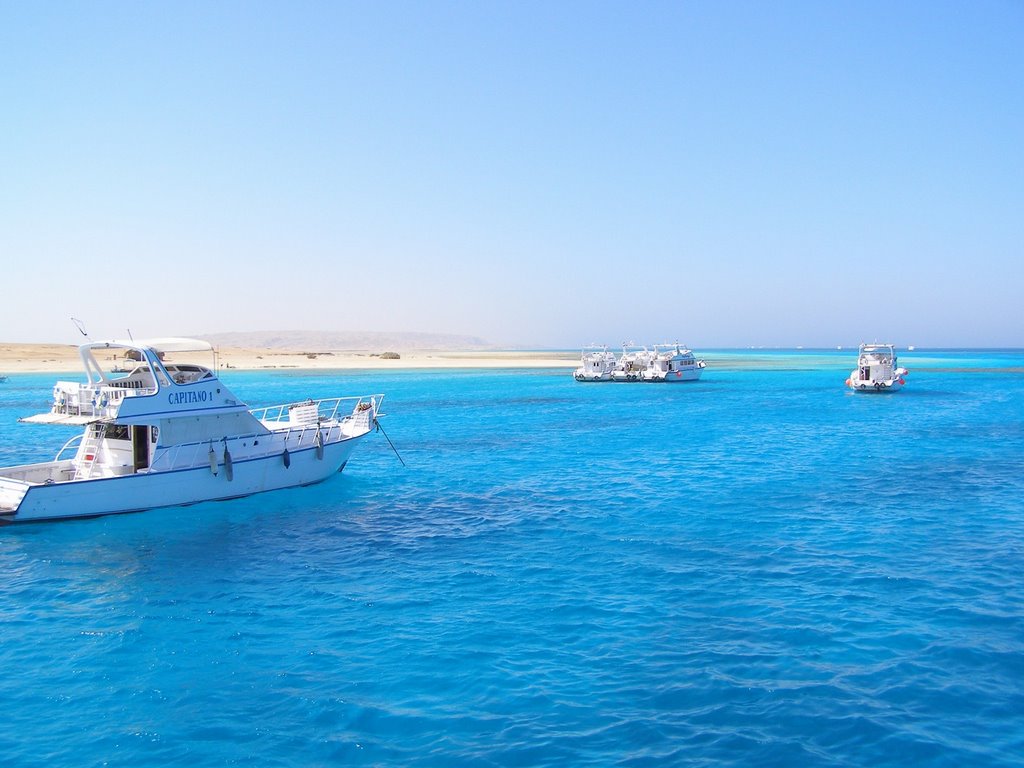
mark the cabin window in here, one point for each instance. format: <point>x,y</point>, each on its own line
<point>117,432</point>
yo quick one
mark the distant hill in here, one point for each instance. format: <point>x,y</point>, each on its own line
<point>329,341</point>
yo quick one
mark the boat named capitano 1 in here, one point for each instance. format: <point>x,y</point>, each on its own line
<point>168,433</point>
<point>877,370</point>
<point>664,363</point>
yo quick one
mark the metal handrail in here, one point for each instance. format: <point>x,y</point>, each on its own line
<point>67,446</point>
<point>99,401</point>
<point>327,409</point>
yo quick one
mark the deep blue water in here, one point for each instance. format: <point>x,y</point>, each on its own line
<point>760,568</point>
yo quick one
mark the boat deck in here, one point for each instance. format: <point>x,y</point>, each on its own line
<point>58,418</point>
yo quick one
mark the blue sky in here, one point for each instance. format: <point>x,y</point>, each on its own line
<point>536,173</point>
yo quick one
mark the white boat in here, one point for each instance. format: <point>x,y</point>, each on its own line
<point>631,364</point>
<point>672,363</point>
<point>877,370</point>
<point>596,364</point>
<point>171,433</point>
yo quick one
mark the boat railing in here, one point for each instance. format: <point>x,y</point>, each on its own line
<point>99,401</point>
<point>71,446</point>
<point>311,411</point>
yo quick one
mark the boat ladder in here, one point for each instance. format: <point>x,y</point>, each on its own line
<point>89,451</point>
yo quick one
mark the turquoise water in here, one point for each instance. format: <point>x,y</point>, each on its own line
<point>760,568</point>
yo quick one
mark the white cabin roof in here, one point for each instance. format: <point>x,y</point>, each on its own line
<point>167,344</point>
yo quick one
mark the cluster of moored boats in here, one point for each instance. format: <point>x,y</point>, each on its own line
<point>662,363</point>
<point>877,367</point>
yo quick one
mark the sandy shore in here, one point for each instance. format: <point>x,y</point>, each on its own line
<point>44,358</point>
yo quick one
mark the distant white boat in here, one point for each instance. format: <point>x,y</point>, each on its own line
<point>910,348</point>
<point>671,363</point>
<point>596,364</point>
<point>631,364</point>
<point>877,370</point>
<point>171,433</point>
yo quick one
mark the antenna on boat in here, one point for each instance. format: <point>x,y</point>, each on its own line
<point>130,337</point>
<point>80,326</point>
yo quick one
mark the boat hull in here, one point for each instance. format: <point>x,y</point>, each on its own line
<point>151,490</point>
<point>622,376</point>
<point>876,387</point>
<point>674,377</point>
<point>591,376</point>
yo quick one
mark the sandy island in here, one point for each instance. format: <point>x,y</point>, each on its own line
<point>45,358</point>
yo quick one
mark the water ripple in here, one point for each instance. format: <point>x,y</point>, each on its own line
<point>747,572</point>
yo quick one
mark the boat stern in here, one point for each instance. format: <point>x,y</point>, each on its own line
<point>12,493</point>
